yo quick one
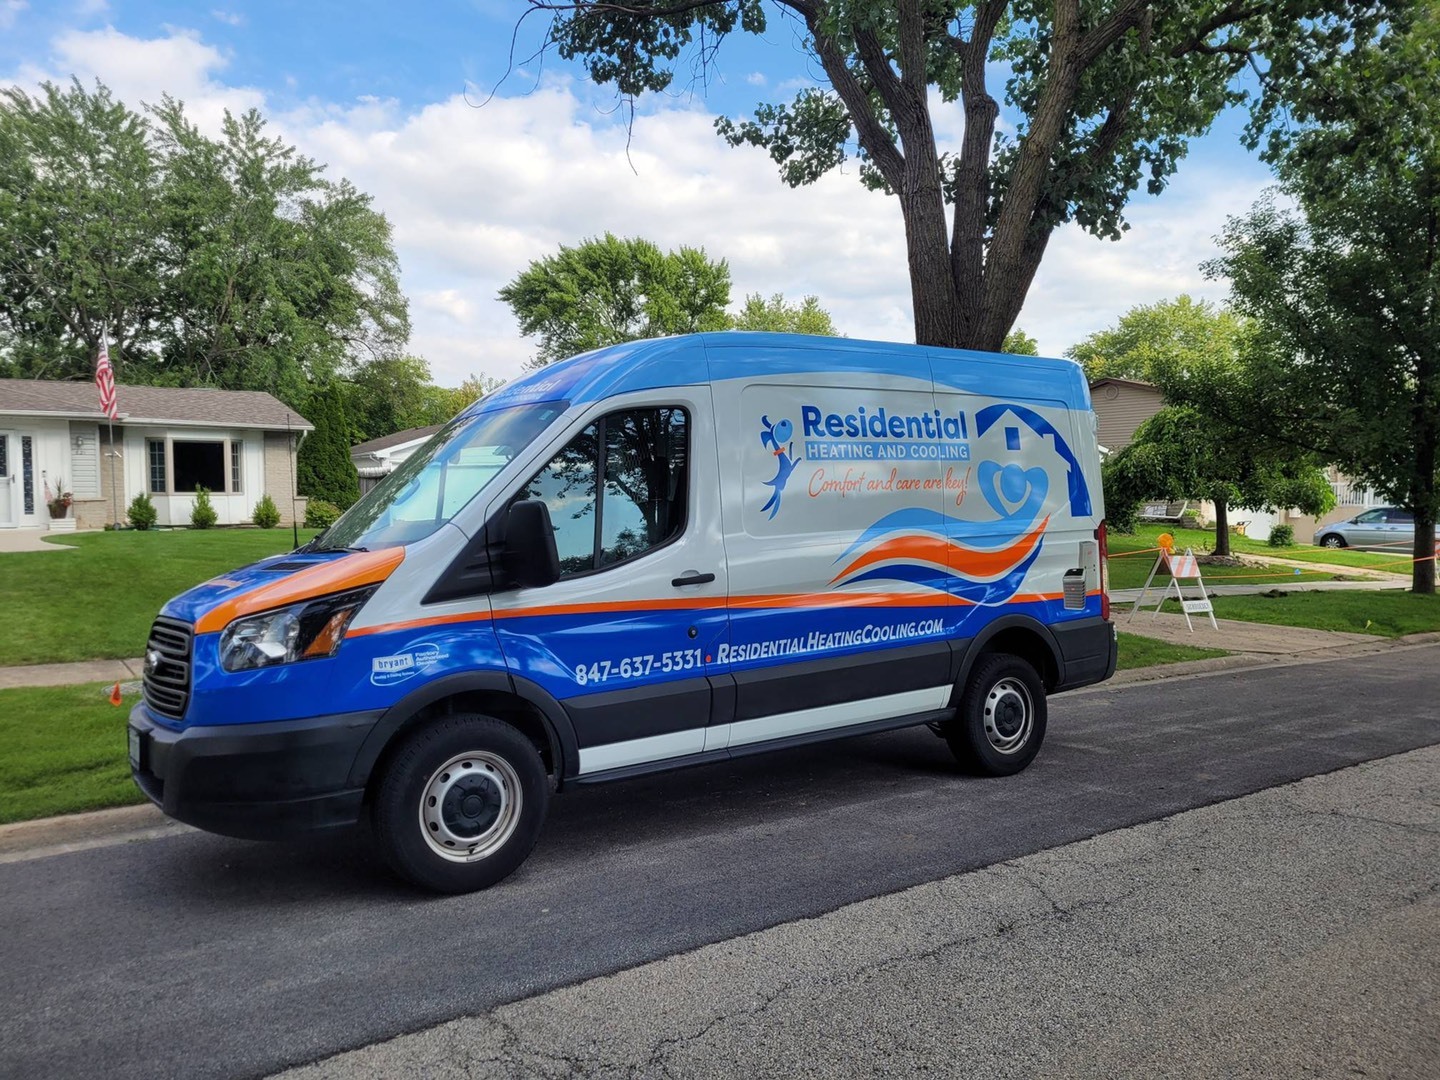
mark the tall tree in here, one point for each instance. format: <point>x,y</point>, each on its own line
<point>1020,343</point>
<point>227,262</point>
<point>778,316</point>
<point>1346,289</point>
<point>608,290</point>
<point>277,278</point>
<point>323,466</point>
<point>79,254</point>
<point>1217,438</point>
<point>1105,96</point>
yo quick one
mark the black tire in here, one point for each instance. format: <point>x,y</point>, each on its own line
<point>1000,722</point>
<point>1331,540</point>
<point>485,793</point>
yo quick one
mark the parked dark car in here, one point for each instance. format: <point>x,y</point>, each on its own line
<point>1385,527</point>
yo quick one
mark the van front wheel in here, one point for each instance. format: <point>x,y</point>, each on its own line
<point>1000,722</point>
<point>460,804</point>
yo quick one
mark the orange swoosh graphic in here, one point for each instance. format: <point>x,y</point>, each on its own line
<point>932,549</point>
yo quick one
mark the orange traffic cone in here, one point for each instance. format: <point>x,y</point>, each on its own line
<point>115,695</point>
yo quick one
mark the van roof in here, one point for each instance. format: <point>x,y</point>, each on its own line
<point>713,357</point>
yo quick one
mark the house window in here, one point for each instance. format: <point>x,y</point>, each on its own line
<point>236,454</point>
<point>157,465</point>
<point>198,464</point>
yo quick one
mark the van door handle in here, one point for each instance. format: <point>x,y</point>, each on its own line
<point>692,578</point>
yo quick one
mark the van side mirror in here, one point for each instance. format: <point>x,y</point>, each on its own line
<point>530,555</point>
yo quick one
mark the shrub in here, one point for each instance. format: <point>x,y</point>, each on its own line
<point>267,516</point>
<point>320,514</point>
<point>1282,536</point>
<point>204,515</point>
<point>142,512</point>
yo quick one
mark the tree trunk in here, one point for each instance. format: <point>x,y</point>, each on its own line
<point>1422,578</point>
<point>1222,526</point>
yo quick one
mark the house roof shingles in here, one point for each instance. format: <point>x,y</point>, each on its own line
<point>399,437</point>
<point>162,404</point>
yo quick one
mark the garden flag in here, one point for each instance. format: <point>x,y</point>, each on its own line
<point>105,380</point>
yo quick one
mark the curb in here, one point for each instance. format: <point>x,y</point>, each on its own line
<point>24,840</point>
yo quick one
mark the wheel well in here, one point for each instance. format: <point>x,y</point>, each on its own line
<point>1028,646</point>
<point>515,711</point>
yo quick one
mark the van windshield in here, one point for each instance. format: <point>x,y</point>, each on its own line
<point>439,479</point>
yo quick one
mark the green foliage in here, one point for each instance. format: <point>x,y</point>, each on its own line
<point>608,290</point>
<point>1020,343</point>
<point>1158,343</point>
<point>227,262</point>
<point>1180,453</point>
<point>390,394</point>
<point>320,514</point>
<point>1346,288</point>
<point>1104,97</point>
<point>777,316</point>
<point>142,513</point>
<point>266,515</point>
<point>323,466</point>
<point>1282,536</point>
<point>203,514</point>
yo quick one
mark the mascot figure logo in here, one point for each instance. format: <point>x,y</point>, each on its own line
<point>776,438</point>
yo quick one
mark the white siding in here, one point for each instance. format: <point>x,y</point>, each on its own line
<point>85,460</point>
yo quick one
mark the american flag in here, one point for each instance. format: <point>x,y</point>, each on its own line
<point>105,380</point>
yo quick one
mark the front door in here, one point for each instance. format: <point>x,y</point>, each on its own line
<point>8,486</point>
<point>622,640</point>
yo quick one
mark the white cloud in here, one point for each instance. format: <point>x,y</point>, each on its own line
<point>475,193</point>
<point>145,69</point>
<point>756,78</point>
<point>229,18</point>
<point>10,11</point>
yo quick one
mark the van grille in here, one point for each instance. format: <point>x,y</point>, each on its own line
<point>167,667</point>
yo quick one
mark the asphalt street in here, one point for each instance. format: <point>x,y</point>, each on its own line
<point>198,956</point>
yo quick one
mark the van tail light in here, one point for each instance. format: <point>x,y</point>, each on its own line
<point>1104,546</point>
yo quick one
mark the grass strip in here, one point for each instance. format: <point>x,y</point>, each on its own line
<point>64,751</point>
<point>1138,651</point>
<point>1388,613</point>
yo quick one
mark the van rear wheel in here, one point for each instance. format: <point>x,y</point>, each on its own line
<point>1000,722</point>
<point>460,804</point>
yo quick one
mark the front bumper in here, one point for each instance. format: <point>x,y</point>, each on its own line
<point>263,781</point>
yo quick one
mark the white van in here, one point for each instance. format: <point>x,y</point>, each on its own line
<point>659,554</point>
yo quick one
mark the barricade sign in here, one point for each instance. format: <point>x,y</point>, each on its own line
<point>1184,567</point>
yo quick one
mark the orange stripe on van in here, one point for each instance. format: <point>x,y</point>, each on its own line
<point>350,572</point>
<point>940,552</point>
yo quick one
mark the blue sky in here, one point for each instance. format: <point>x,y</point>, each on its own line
<point>389,96</point>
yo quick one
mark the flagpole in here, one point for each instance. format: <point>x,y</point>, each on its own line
<point>110,412</point>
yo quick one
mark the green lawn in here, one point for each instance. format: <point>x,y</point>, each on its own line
<point>99,600</point>
<point>1137,651</point>
<point>65,751</point>
<point>1392,613</point>
<point>1129,571</point>
<point>1203,540</point>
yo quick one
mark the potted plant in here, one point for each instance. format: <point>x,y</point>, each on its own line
<point>59,502</point>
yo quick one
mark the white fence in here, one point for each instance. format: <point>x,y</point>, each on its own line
<point>1348,493</point>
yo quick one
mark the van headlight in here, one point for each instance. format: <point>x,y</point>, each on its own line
<point>312,630</point>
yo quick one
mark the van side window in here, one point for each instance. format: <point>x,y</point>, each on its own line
<point>638,460</point>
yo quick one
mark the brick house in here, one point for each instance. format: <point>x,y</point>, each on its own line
<point>240,444</point>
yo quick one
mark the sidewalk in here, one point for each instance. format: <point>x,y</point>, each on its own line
<point>86,671</point>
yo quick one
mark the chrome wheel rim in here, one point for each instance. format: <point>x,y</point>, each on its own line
<point>1009,716</point>
<point>470,806</point>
